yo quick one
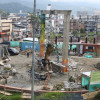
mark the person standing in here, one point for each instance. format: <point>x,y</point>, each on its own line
<point>27,54</point>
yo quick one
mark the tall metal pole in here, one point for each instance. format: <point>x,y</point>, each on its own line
<point>34,30</point>
<point>95,30</point>
<point>79,28</point>
<point>0,27</point>
<point>87,29</point>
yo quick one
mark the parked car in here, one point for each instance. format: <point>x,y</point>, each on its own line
<point>13,51</point>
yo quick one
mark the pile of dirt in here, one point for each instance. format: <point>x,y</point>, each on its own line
<point>25,51</point>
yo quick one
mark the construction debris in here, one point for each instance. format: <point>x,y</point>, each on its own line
<point>6,70</point>
<point>59,87</point>
<point>97,66</point>
<point>1,63</point>
<point>71,85</point>
<point>7,67</point>
<point>25,51</point>
<point>2,81</point>
<point>90,95</point>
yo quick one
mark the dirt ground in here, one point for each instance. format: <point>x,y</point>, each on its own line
<point>22,78</point>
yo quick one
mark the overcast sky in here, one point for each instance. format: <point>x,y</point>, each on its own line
<point>96,1</point>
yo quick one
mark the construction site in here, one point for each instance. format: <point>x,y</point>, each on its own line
<point>59,66</point>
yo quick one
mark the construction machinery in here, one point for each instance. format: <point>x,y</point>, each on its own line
<point>46,65</point>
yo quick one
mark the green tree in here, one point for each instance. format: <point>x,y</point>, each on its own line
<point>30,18</point>
<point>52,35</point>
<point>3,13</point>
<point>82,30</point>
<point>75,33</point>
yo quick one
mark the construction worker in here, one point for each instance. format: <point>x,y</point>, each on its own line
<point>71,79</point>
<point>57,58</point>
<point>75,50</point>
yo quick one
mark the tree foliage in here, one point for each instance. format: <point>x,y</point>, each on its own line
<point>82,30</point>
<point>3,13</point>
<point>75,32</point>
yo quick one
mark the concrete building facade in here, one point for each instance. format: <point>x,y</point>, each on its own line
<point>5,26</point>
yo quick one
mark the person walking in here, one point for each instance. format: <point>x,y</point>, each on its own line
<point>27,54</point>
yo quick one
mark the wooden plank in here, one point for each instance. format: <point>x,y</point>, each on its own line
<point>5,93</point>
<point>26,96</point>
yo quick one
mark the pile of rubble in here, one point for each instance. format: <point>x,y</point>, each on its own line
<point>6,70</point>
<point>25,51</point>
<point>71,85</point>
<point>71,62</point>
<point>97,66</point>
<point>59,87</point>
<point>67,86</point>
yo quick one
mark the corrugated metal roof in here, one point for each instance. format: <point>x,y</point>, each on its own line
<point>87,73</point>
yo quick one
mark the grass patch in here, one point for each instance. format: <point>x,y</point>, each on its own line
<point>38,96</point>
<point>44,96</point>
<point>51,96</point>
<point>14,96</point>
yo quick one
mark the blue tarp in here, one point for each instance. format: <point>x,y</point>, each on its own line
<point>29,45</point>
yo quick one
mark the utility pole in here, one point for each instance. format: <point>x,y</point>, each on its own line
<point>34,30</point>
<point>95,30</point>
<point>38,26</point>
<point>56,23</point>
<point>87,28</point>
<point>0,28</point>
<point>79,28</point>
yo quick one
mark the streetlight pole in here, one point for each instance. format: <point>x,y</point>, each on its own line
<point>0,27</point>
<point>34,30</point>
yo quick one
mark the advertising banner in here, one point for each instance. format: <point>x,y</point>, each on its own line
<point>42,38</point>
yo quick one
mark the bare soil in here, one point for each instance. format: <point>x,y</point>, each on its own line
<point>22,64</point>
